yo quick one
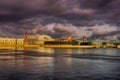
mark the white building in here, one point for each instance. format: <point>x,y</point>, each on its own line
<point>39,39</point>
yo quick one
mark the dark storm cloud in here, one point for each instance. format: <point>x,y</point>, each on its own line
<point>72,10</point>
<point>25,8</point>
<point>31,13</point>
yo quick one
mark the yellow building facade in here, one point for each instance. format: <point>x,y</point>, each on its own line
<point>32,40</point>
<point>11,41</point>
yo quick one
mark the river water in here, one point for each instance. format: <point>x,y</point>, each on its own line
<point>59,64</point>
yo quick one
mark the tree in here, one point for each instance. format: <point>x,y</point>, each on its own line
<point>104,43</point>
<point>74,42</point>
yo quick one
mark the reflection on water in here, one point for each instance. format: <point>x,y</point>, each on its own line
<point>59,64</point>
<point>44,50</point>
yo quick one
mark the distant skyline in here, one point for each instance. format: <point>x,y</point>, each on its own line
<point>39,17</point>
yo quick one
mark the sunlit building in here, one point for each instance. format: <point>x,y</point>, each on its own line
<point>39,39</point>
<point>32,40</point>
<point>11,41</point>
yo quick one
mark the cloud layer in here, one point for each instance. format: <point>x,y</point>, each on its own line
<point>57,30</point>
<point>58,18</point>
<point>77,10</point>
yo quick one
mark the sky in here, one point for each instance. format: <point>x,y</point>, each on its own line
<point>59,18</point>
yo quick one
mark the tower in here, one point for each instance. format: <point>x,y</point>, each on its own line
<point>84,38</point>
<point>26,38</point>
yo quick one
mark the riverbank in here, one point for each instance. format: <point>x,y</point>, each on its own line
<point>67,46</point>
<point>51,46</point>
<point>63,46</point>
